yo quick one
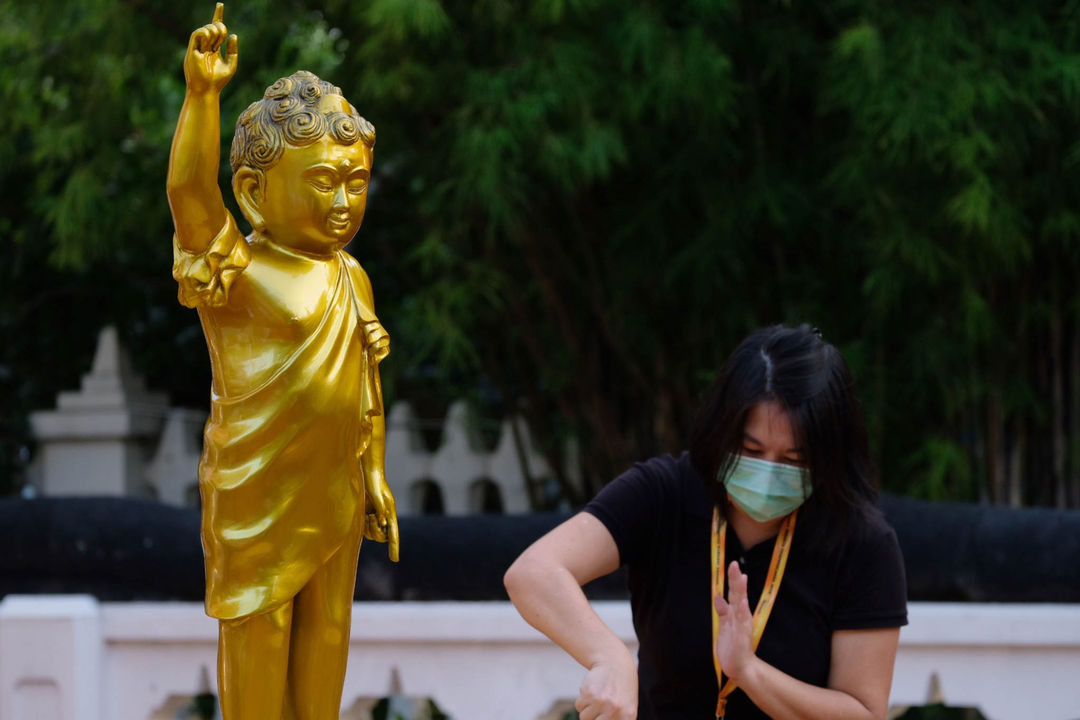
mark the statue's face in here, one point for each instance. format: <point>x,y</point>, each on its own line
<point>314,197</point>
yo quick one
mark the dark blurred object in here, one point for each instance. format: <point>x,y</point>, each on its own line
<point>121,549</point>
<point>112,548</point>
<point>460,558</point>
<point>118,549</point>
<point>980,553</point>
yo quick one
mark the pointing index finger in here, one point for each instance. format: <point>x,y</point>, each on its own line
<point>219,12</point>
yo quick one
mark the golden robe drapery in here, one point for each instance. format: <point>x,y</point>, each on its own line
<point>294,348</point>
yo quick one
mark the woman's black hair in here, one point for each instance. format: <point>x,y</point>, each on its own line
<point>811,381</point>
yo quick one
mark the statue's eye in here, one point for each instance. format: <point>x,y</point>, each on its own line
<point>357,187</point>
<point>321,183</point>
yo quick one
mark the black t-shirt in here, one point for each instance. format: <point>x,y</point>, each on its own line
<point>659,514</point>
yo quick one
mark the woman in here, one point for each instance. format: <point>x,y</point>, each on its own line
<point>776,486</point>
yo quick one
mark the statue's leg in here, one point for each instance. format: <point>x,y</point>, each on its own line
<point>253,654</point>
<point>320,635</point>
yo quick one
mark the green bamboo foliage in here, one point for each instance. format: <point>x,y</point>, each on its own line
<point>581,205</point>
<point>959,172</point>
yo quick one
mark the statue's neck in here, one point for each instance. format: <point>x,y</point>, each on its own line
<point>272,246</point>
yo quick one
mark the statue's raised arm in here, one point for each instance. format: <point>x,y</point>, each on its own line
<point>194,196</point>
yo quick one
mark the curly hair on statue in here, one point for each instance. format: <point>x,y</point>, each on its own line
<point>288,115</point>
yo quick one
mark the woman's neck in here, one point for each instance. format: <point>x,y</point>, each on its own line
<point>749,531</point>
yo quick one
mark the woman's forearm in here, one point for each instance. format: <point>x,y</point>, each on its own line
<point>550,599</point>
<point>860,678</point>
<point>783,697</point>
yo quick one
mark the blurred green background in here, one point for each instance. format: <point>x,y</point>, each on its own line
<point>580,206</point>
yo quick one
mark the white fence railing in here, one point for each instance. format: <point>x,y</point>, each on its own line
<point>72,658</point>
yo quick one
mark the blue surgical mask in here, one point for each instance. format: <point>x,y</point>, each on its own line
<point>767,490</point>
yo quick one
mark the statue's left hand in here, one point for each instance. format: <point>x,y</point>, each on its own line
<point>380,520</point>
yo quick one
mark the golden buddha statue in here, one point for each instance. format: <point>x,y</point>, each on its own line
<point>292,475</point>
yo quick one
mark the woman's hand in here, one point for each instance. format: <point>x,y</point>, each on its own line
<point>860,670</point>
<point>609,691</point>
<point>734,642</point>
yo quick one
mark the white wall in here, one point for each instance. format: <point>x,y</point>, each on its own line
<point>70,657</point>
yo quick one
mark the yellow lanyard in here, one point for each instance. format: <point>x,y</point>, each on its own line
<point>765,602</point>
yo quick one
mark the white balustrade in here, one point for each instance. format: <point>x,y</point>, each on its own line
<point>460,467</point>
<point>71,658</point>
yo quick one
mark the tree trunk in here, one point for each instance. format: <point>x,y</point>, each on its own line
<point>610,449</point>
<point>995,468</point>
<point>1039,460</point>
<point>1074,415</point>
<point>1057,404</point>
<point>1016,463</point>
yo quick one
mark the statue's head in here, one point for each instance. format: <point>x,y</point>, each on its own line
<point>301,161</point>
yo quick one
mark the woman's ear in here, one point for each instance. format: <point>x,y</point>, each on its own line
<point>249,187</point>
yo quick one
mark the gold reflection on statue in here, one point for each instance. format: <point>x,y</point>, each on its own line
<point>292,473</point>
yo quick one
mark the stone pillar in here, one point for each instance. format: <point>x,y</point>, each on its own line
<point>98,439</point>
<point>50,658</point>
<point>174,470</point>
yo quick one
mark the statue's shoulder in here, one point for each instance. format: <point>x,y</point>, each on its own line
<point>358,276</point>
<point>352,263</point>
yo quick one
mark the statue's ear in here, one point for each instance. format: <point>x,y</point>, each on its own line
<point>249,187</point>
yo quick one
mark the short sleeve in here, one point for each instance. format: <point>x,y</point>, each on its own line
<point>871,586</point>
<point>205,278</point>
<point>376,340</point>
<point>635,504</point>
